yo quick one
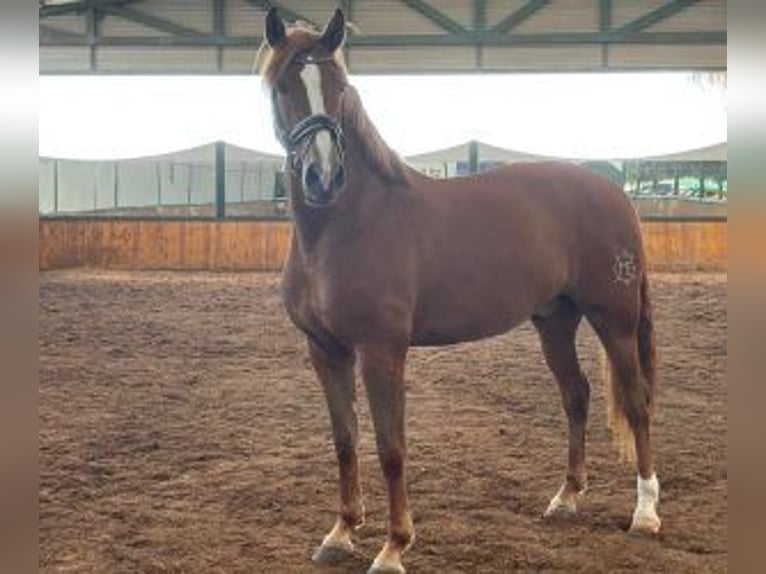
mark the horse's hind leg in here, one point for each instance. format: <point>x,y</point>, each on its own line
<point>557,328</point>
<point>336,373</point>
<point>630,397</point>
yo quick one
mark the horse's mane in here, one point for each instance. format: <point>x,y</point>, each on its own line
<point>270,63</point>
<point>381,158</point>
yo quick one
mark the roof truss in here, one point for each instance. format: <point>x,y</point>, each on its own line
<point>481,42</point>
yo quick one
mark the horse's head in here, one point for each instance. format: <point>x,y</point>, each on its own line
<point>305,74</point>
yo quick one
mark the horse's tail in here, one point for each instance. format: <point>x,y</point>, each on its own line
<point>647,353</point>
<point>622,433</point>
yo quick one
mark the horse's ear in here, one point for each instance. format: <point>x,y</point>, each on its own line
<point>335,32</point>
<point>275,28</point>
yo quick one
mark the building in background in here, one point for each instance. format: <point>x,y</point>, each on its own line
<point>251,183</point>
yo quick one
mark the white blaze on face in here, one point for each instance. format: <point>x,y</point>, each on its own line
<point>322,146</point>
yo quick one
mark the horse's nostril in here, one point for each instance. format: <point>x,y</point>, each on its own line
<point>312,177</point>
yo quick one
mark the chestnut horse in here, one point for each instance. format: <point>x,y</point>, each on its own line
<point>383,258</point>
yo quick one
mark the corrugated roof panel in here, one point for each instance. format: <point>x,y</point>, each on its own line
<point>575,57</point>
<point>460,12</point>
<point>717,152</point>
<point>486,153</point>
<point>64,59</point>
<point>67,23</point>
<point>703,16</point>
<point>562,16</point>
<point>236,153</point>
<point>243,19</point>
<point>121,27</point>
<point>391,17</point>
<point>665,57</point>
<point>195,15</point>
<point>238,60</point>
<point>624,11</point>
<point>173,60</point>
<point>319,11</point>
<point>400,60</point>
<point>394,23</point>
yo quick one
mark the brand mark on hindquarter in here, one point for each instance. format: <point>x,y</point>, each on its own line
<point>625,267</point>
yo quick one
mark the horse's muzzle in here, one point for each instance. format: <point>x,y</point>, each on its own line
<point>323,185</point>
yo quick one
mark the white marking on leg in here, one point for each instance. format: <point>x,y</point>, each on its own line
<point>565,501</point>
<point>645,518</point>
<point>339,537</point>
<point>388,560</point>
<point>311,76</point>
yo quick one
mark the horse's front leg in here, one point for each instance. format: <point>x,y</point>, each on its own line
<point>336,373</point>
<point>383,373</point>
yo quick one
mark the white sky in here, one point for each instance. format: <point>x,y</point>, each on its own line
<point>573,115</point>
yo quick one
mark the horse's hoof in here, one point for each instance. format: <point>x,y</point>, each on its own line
<point>562,506</point>
<point>331,555</point>
<point>385,569</point>
<point>646,524</point>
<point>559,512</point>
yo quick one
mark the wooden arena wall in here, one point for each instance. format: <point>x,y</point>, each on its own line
<point>686,245</point>
<point>262,245</point>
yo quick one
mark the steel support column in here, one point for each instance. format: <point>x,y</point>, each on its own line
<point>220,180</point>
<point>473,156</point>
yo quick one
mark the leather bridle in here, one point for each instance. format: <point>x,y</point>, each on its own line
<point>306,128</point>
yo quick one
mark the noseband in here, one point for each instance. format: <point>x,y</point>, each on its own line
<point>307,128</point>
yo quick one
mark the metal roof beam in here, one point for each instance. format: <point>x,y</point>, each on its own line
<point>517,17</point>
<point>651,18</point>
<point>604,25</point>
<point>479,26</point>
<point>219,17</point>
<point>604,15</point>
<point>479,14</point>
<point>189,41</point>
<point>149,20</point>
<point>61,9</point>
<point>219,29</point>
<point>55,34</point>
<point>410,40</point>
<point>48,10</point>
<point>285,12</point>
<point>553,38</point>
<point>91,34</point>
<point>440,19</point>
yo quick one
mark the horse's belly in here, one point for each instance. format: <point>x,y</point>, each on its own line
<point>468,310</point>
<point>448,327</point>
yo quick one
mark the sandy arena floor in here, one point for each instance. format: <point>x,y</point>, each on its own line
<point>181,430</point>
